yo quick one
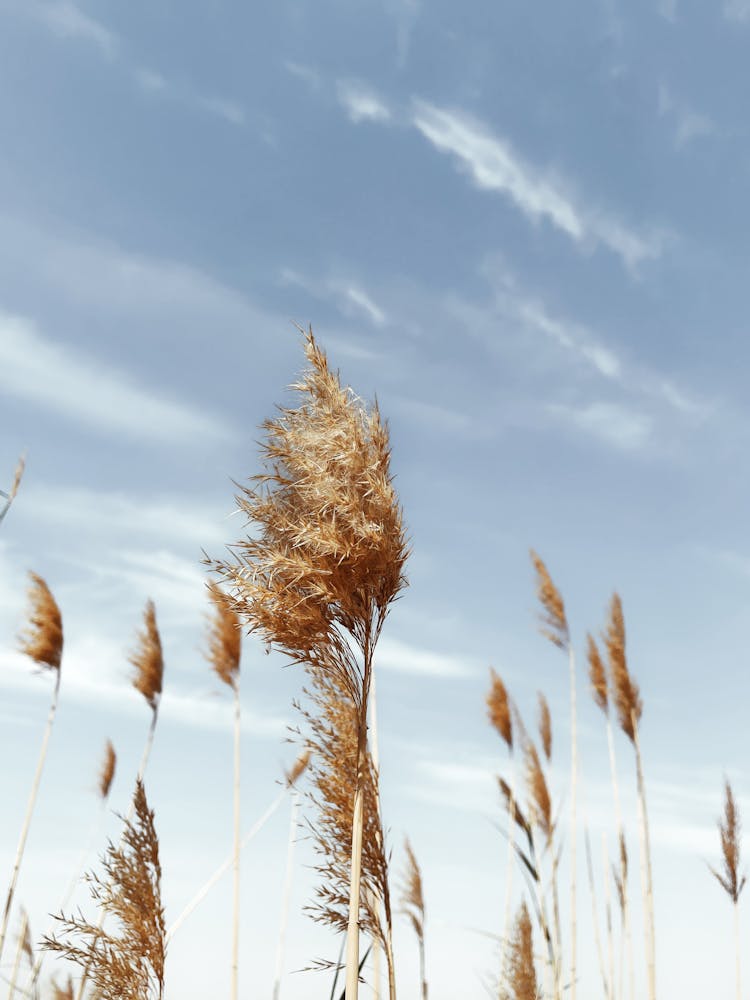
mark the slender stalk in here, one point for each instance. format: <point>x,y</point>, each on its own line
<point>737,948</point>
<point>392,970</point>
<point>224,867</point>
<point>608,912</point>
<point>508,888</point>
<point>375,757</point>
<point>646,876</point>
<point>236,859</point>
<point>573,819</point>
<point>19,953</point>
<point>595,914</point>
<point>286,896</point>
<point>29,811</point>
<point>558,929</point>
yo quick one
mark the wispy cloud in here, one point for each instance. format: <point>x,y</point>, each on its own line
<point>56,377</point>
<point>361,103</point>
<point>613,424</point>
<point>394,654</point>
<point>156,85</point>
<point>737,10</point>
<point>494,165</point>
<point>66,20</point>
<point>350,297</point>
<point>688,124</point>
<point>308,74</point>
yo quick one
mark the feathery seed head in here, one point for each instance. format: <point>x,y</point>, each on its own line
<point>63,992</point>
<point>328,554</point>
<point>107,772</point>
<point>521,981</point>
<point>729,832</point>
<point>541,802</point>
<point>43,640</point>
<point>498,709</point>
<point>148,660</point>
<point>412,898</point>
<point>626,694</point>
<point>545,726</point>
<point>597,675</point>
<point>225,638</point>
<point>553,623</point>
<point>297,769</point>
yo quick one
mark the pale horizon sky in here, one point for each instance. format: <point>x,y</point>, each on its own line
<point>525,230</point>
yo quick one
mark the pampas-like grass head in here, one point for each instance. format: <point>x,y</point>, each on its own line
<point>412,897</point>
<point>43,640</point>
<point>128,965</point>
<point>297,769</point>
<point>148,660</point>
<point>597,675</point>
<point>498,709</point>
<point>553,623</point>
<point>329,549</point>
<point>521,981</point>
<point>729,831</point>
<point>545,726</point>
<point>107,772</point>
<point>225,638</point>
<point>626,694</point>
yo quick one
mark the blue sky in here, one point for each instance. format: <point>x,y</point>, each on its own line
<point>525,229</point>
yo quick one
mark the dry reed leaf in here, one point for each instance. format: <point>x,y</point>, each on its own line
<point>128,965</point>
<point>412,897</point>
<point>514,810</point>
<point>225,638</point>
<point>43,640</point>
<point>107,772</point>
<point>729,832</point>
<point>554,624</point>
<point>597,675</point>
<point>626,694</point>
<point>148,660</point>
<point>498,709</point>
<point>545,726</point>
<point>521,981</point>
<point>328,552</point>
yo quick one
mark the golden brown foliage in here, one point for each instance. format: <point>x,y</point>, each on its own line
<point>729,832</point>
<point>128,965</point>
<point>107,772</point>
<point>498,709</point>
<point>333,739</point>
<point>554,624</point>
<point>545,726</point>
<point>62,992</point>
<point>538,792</point>
<point>148,660</point>
<point>521,981</point>
<point>225,638</point>
<point>597,675</point>
<point>43,640</point>
<point>626,694</point>
<point>298,768</point>
<point>328,552</point>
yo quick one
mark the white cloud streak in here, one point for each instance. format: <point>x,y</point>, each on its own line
<point>394,654</point>
<point>361,103</point>
<point>493,165</point>
<point>737,10</point>
<point>67,20</point>
<point>55,377</point>
<point>616,425</point>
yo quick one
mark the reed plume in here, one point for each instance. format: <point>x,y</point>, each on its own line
<point>107,772</point>
<point>332,736</point>
<point>545,726</point>
<point>521,981</point>
<point>629,707</point>
<point>412,904</point>
<point>63,992</point>
<point>554,625</point>
<point>43,643</point>
<point>224,650</point>
<point>317,578</point>
<point>11,495</point>
<point>729,877</point>
<point>125,962</point>
<point>499,709</point>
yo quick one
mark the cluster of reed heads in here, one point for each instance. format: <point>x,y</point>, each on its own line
<point>315,579</point>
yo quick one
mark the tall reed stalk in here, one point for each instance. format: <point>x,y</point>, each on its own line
<point>501,717</point>
<point>23,947</point>
<point>43,643</point>
<point>224,650</point>
<point>554,625</point>
<point>286,895</point>
<point>729,877</point>
<point>317,578</point>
